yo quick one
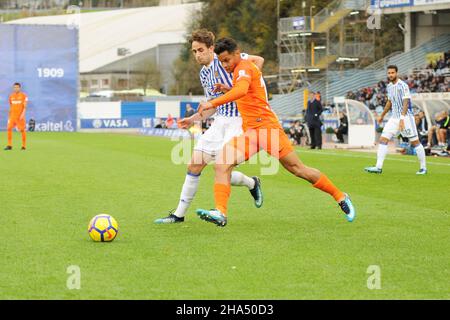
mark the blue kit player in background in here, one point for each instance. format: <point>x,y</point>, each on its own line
<point>402,120</point>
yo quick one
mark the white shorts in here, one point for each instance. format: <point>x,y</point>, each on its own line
<point>222,130</point>
<point>391,128</point>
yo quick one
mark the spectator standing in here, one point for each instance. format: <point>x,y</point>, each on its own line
<point>169,121</point>
<point>189,111</point>
<point>313,112</point>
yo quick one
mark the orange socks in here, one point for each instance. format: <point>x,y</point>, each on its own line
<point>222,192</point>
<point>221,195</point>
<point>24,139</point>
<point>9,137</point>
<point>327,186</point>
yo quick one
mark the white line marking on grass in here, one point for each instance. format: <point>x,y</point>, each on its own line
<point>366,157</point>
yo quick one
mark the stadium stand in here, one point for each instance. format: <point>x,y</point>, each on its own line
<point>431,78</point>
<point>340,83</point>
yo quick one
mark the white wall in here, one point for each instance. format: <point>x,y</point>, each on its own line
<point>99,110</point>
<point>163,108</point>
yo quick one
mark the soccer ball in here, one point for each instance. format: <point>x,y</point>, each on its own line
<point>103,228</point>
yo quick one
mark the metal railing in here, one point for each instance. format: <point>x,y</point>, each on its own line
<point>338,5</point>
<point>303,24</point>
<point>341,82</point>
<point>380,64</point>
<point>300,60</point>
<point>304,59</point>
<point>357,49</point>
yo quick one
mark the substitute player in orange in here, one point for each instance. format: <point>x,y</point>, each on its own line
<point>262,130</point>
<point>17,109</point>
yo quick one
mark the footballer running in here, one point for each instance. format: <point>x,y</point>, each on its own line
<point>262,130</point>
<point>227,124</point>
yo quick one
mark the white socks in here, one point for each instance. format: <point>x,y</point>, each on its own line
<point>381,155</point>
<point>240,179</point>
<point>420,151</point>
<point>383,148</point>
<point>188,192</point>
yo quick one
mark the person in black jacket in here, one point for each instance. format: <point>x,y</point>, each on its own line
<point>189,111</point>
<point>343,127</point>
<point>422,127</point>
<point>312,115</point>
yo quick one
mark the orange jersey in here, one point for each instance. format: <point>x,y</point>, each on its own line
<point>254,106</point>
<point>262,130</point>
<point>249,92</point>
<point>17,103</point>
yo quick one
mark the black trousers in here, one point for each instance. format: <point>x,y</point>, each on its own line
<point>340,133</point>
<point>316,136</point>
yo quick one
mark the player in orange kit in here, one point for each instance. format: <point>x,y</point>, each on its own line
<point>17,109</point>
<point>262,130</point>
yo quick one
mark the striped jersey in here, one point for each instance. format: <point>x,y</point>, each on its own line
<point>396,93</point>
<point>212,74</point>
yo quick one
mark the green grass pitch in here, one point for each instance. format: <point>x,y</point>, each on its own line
<point>297,246</point>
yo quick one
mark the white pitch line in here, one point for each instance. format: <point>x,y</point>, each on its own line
<point>365,157</point>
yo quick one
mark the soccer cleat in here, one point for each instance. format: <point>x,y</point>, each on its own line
<point>8,148</point>
<point>23,148</point>
<point>171,218</point>
<point>256,192</point>
<point>348,208</point>
<point>373,170</point>
<point>421,172</point>
<point>213,216</point>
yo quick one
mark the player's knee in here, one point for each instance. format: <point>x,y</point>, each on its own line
<point>223,168</point>
<point>195,168</point>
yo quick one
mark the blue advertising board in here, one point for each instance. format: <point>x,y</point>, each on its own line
<point>385,4</point>
<point>122,123</point>
<point>391,3</point>
<point>44,59</point>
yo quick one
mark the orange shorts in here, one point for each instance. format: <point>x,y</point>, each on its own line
<point>270,137</point>
<point>16,123</point>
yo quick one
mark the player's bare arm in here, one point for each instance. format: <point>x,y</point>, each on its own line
<point>404,111</point>
<point>220,87</point>
<point>257,60</point>
<point>204,107</point>
<point>387,107</point>
<point>237,92</point>
<point>185,123</point>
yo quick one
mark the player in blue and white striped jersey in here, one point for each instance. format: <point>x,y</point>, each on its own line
<point>402,120</point>
<point>227,124</point>
<point>212,75</point>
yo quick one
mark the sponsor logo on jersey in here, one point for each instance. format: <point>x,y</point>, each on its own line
<point>242,74</point>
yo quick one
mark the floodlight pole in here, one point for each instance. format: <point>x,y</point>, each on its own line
<point>125,52</point>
